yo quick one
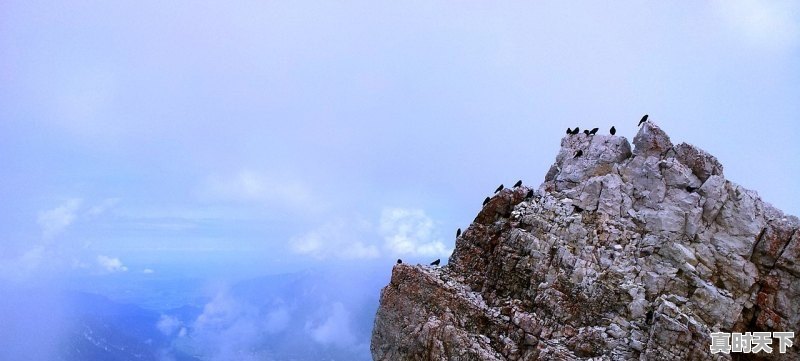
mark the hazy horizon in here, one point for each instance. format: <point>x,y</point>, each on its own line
<point>219,142</point>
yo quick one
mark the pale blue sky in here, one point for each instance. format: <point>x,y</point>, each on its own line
<point>275,135</point>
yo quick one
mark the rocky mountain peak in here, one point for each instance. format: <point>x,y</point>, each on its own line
<point>620,254</point>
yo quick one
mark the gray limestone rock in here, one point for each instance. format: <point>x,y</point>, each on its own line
<point>620,255</point>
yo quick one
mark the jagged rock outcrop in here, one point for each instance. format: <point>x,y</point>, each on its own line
<point>621,254</point>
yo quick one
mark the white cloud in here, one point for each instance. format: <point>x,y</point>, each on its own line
<point>168,324</point>
<point>148,271</point>
<point>335,330</point>
<point>20,268</point>
<point>310,243</point>
<point>407,232</point>
<point>768,23</point>
<point>336,239</point>
<point>111,265</point>
<point>31,259</point>
<point>228,329</point>
<point>277,320</point>
<point>249,186</point>
<point>410,232</point>
<point>55,220</point>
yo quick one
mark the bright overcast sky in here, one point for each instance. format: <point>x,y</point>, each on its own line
<point>135,135</point>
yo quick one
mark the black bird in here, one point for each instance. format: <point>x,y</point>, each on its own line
<point>399,261</point>
<point>458,233</point>
<point>569,131</point>
<point>500,188</point>
<point>576,130</point>
<point>436,262</point>
<point>486,200</point>
<point>530,194</point>
<point>593,131</point>
<point>578,153</point>
<point>644,119</point>
<point>519,183</point>
<point>586,132</point>
<point>613,130</point>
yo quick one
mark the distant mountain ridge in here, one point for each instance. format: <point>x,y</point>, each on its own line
<point>80,326</point>
<point>323,314</point>
<point>621,254</point>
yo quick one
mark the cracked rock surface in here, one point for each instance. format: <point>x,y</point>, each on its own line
<point>621,254</point>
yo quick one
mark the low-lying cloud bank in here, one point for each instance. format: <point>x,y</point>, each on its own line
<point>399,232</point>
<point>304,316</point>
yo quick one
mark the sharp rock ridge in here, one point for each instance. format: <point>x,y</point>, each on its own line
<point>621,254</point>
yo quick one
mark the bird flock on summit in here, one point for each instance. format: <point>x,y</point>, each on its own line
<point>613,131</point>
<point>518,184</point>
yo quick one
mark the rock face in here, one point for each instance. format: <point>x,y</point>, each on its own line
<point>620,255</point>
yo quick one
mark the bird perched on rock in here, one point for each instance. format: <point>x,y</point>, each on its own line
<point>576,130</point>
<point>486,200</point>
<point>578,153</point>
<point>458,233</point>
<point>644,119</point>
<point>530,194</point>
<point>519,183</point>
<point>593,131</point>
<point>500,188</point>
<point>586,132</point>
<point>613,130</point>
<point>569,131</point>
<point>436,262</point>
<point>399,261</point>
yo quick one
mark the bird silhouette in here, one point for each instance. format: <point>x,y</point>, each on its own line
<point>399,261</point>
<point>613,130</point>
<point>593,131</point>
<point>500,188</point>
<point>644,119</point>
<point>519,183</point>
<point>458,233</point>
<point>578,153</point>
<point>569,131</point>
<point>486,200</point>
<point>586,132</point>
<point>576,130</point>
<point>436,262</point>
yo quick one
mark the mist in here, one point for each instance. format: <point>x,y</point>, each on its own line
<point>235,180</point>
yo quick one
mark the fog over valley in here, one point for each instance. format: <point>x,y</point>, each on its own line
<point>234,180</point>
